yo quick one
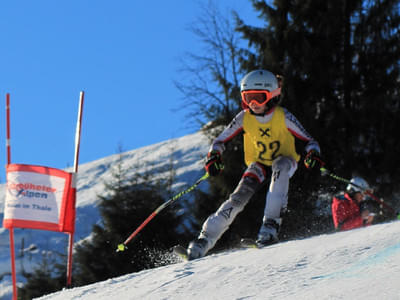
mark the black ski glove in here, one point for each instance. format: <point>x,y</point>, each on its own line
<point>313,160</point>
<point>214,164</point>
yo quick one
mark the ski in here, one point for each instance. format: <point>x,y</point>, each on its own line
<point>251,243</point>
<point>248,243</point>
<point>181,252</point>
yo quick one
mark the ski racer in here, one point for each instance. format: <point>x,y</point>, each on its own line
<point>269,150</point>
<point>349,209</point>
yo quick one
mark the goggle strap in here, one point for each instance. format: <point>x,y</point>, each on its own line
<point>275,92</point>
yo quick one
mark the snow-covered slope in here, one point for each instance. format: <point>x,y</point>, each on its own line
<point>358,264</point>
<point>186,155</point>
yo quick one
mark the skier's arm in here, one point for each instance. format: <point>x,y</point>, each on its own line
<point>232,130</point>
<point>295,128</point>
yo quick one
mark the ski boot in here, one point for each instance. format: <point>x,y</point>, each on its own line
<point>197,248</point>
<point>268,233</point>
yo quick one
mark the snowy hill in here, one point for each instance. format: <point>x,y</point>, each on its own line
<point>186,155</point>
<point>358,264</point>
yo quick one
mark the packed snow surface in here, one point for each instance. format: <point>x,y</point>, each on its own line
<point>358,264</point>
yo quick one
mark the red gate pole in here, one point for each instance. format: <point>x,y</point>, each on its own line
<point>11,230</point>
<point>76,160</point>
<point>14,277</point>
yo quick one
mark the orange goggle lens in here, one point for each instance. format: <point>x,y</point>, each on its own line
<point>259,97</point>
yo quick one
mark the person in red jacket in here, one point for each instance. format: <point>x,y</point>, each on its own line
<point>348,209</point>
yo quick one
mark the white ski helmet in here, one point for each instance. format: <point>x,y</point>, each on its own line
<point>259,80</point>
<point>358,184</point>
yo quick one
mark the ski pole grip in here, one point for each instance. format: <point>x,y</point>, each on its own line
<point>121,247</point>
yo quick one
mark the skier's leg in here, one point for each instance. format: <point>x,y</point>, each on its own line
<point>217,223</point>
<point>283,169</point>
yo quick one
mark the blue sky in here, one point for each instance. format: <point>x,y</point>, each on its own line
<point>123,54</point>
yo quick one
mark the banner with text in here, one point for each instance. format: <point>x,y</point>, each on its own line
<point>39,198</point>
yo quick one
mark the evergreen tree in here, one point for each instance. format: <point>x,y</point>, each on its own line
<point>46,278</point>
<point>340,62</point>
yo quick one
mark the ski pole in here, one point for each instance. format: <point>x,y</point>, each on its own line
<point>325,171</point>
<point>122,247</point>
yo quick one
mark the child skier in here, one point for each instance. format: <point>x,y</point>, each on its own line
<point>269,132</point>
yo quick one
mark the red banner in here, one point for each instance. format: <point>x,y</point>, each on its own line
<point>39,198</point>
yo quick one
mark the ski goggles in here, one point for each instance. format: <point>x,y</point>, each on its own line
<point>259,97</point>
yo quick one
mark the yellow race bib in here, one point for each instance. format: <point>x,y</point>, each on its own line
<point>263,143</point>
